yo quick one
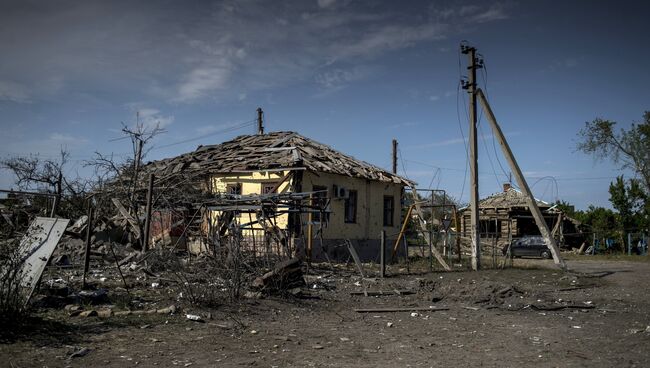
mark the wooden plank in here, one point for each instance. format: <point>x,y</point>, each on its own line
<point>401,309</point>
<point>127,216</point>
<point>401,233</point>
<point>423,227</point>
<point>355,256</point>
<point>381,292</point>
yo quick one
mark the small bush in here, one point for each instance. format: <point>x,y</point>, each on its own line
<point>12,295</point>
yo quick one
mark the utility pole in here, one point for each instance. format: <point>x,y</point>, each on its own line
<point>147,224</point>
<point>138,150</point>
<point>521,181</point>
<point>260,121</point>
<point>395,156</point>
<point>89,228</point>
<point>473,153</point>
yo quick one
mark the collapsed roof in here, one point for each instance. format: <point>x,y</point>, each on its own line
<point>510,198</point>
<point>275,150</point>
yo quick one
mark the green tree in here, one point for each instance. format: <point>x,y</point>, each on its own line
<point>566,207</point>
<point>628,148</point>
<point>629,199</point>
<point>602,221</point>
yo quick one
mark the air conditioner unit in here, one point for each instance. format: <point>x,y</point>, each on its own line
<point>341,192</point>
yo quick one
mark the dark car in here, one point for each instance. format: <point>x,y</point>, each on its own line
<point>529,246</point>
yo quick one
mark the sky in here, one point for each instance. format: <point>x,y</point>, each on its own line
<point>350,74</point>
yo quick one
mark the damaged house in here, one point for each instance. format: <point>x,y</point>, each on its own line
<point>506,215</point>
<point>355,200</point>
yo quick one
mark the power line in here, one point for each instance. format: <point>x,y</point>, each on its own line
<point>221,131</point>
<point>496,177</point>
<point>460,125</point>
<point>484,74</point>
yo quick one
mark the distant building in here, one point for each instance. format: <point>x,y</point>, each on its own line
<point>506,215</point>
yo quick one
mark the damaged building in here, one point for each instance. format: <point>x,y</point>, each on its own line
<point>350,199</point>
<point>506,215</point>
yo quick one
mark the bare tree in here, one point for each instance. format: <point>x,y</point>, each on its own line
<point>47,175</point>
<point>121,178</point>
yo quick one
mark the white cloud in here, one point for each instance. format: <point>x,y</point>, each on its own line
<point>566,63</point>
<point>148,117</point>
<point>460,140</point>
<point>493,13</point>
<point>404,125</point>
<point>199,82</point>
<point>13,92</point>
<point>467,10</point>
<point>326,3</point>
<point>66,138</point>
<point>206,52</point>
<point>207,129</point>
<point>339,78</point>
<point>387,38</point>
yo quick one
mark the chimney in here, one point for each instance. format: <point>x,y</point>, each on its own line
<point>260,121</point>
<point>506,187</point>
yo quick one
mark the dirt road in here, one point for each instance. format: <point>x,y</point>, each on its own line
<point>597,316</point>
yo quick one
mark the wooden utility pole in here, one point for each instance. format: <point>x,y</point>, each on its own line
<point>260,121</point>
<point>382,252</point>
<point>147,224</point>
<point>519,176</point>
<point>59,193</point>
<point>89,227</point>
<point>395,156</point>
<point>473,159</point>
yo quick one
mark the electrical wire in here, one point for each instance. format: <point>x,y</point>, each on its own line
<point>487,152</point>
<point>221,131</point>
<point>460,126</point>
<point>484,75</point>
<point>401,158</point>
<point>553,180</point>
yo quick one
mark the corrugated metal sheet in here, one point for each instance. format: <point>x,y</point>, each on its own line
<point>36,248</point>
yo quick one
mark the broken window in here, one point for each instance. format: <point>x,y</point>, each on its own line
<point>234,189</point>
<point>269,188</point>
<point>389,210</point>
<point>490,228</point>
<point>319,201</point>
<point>351,207</point>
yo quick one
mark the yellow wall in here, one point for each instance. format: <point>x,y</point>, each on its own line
<point>252,184</point>
<point>370,202</point>
<point>370,206</point>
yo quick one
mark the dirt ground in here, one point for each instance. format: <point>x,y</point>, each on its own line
<point>597,315</point>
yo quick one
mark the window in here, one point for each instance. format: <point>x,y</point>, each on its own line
<point>234,189</point>
<point>351,207</point>
<point>490,228</point>
<point>319,201</point>
<point>389,210</point>
<point>268,188</point>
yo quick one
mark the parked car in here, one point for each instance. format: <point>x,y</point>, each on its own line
<point>528,246</point>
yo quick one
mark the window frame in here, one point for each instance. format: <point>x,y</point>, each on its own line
<point>350,205</point>
<point>236,186</point>
<point>270,185</point>
<point>315,217</point>
<point>391,217</point>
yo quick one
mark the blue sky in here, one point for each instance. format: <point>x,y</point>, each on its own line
<point>350,74</point>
